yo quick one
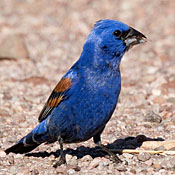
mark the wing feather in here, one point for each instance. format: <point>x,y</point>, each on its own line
<point>56,97</point>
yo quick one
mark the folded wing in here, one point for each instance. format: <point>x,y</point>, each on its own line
<point>56,97</point>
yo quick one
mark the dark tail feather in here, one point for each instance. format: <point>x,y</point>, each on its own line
<point>21,148</point>
<point>36,137</point>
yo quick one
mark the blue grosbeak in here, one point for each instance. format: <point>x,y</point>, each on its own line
<point>83,101</point>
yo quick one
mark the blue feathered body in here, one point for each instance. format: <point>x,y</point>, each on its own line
<point>88,109</point>
<point>83,101</point>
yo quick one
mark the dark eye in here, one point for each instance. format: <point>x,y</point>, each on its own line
<point>117,33</point>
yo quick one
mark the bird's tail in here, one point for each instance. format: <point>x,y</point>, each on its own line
<point>21,148</point>
<point>37,136</point>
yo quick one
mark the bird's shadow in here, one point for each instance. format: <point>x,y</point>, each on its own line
<point>125,143</point>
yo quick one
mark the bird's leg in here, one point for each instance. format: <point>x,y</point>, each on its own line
<point>97,141</point>
<point>62,159</point>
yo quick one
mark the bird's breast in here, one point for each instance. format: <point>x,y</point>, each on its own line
<point>87,110</point>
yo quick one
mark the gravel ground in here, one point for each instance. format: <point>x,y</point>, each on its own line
<point>40,40</point>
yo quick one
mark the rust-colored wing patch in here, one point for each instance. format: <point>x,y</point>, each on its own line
<point>57,95</point>
<point>54,102</point>
<point>63,85</point>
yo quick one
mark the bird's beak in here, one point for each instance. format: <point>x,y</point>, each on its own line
<point>134,37</point>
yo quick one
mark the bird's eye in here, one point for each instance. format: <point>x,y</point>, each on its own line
<point>117,33</point>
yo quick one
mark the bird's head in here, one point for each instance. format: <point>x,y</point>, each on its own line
<point>111,39</point>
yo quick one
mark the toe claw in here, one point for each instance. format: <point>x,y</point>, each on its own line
<point>59,162</point>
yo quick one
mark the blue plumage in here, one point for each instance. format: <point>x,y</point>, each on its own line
<point>83,101</point>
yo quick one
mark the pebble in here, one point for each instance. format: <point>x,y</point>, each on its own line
<point>116,172</point>
<point>160,148</point>
<point>11,160</point>
<point>18,156</point>
<point>157,166</point>
<point>68,157</point>
<point>143,156</point>
<point>127,156</point>
<point>172,149</point>
<point>76,168</point>
<point>13,170</point>
<point>2,153</point>
<point>149,162</point>
<point>74,161</point>
<point>121,168</point>
<point>87,158</point>
<point>171,100</point>
<point>150,170</point>
<point>168,163</point>
<point>156,92</point>
<point>149,78</point>
<point>133,171</point>
<point>153,117</point>
<point>101,166</point>
<point>71,171</point>
<point>34,172</point>
<point>94,163</point>
<point>111,167</point>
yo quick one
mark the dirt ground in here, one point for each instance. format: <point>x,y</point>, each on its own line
<point>40,40</point>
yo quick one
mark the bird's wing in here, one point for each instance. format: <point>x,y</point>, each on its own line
<point>56,97</point>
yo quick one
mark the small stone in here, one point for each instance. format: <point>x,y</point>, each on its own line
<point>94,163</point>
<point>71,171</point>
<point>13,170</point>
<point>11,160</point>
<point>84,164</point>
<point>127,157</point>
<point>171,100</point>
<point>167,115</point>
<point>61,170</point>
<point>2,153</point>
<point>160,148</point>
<point>143,156</point>
<point>87,158</point>
<point>68,157</point>
<point>153,117</point>
<point>76,168</point>
<point>168,163</point>
<point>133,171</point>
<point>74,161</point>
<point>156,92</point>
<point>34,172</point>
<point>101,166</point>
<point>157,166</point>
<point>121,168</point>
<point>172,149</point>
<point>149,78</point>
<point>18,156</point>
<point>150,170</point>
<point>149,162</point>
<point>105,163</point>
<point>116,172</point>
<point>159,100</point>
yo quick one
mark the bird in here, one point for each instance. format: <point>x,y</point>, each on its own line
<point>85,98</point>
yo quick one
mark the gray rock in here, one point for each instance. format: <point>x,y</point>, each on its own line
<point>143,156</point>
<point>153,117</point>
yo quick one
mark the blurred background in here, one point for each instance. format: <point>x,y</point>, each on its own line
<point>40,40</point>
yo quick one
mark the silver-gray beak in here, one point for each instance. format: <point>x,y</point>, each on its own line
<point>134,37</point>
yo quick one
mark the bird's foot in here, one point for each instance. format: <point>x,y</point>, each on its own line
<point>62,160</point>
<point>113,157</point>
